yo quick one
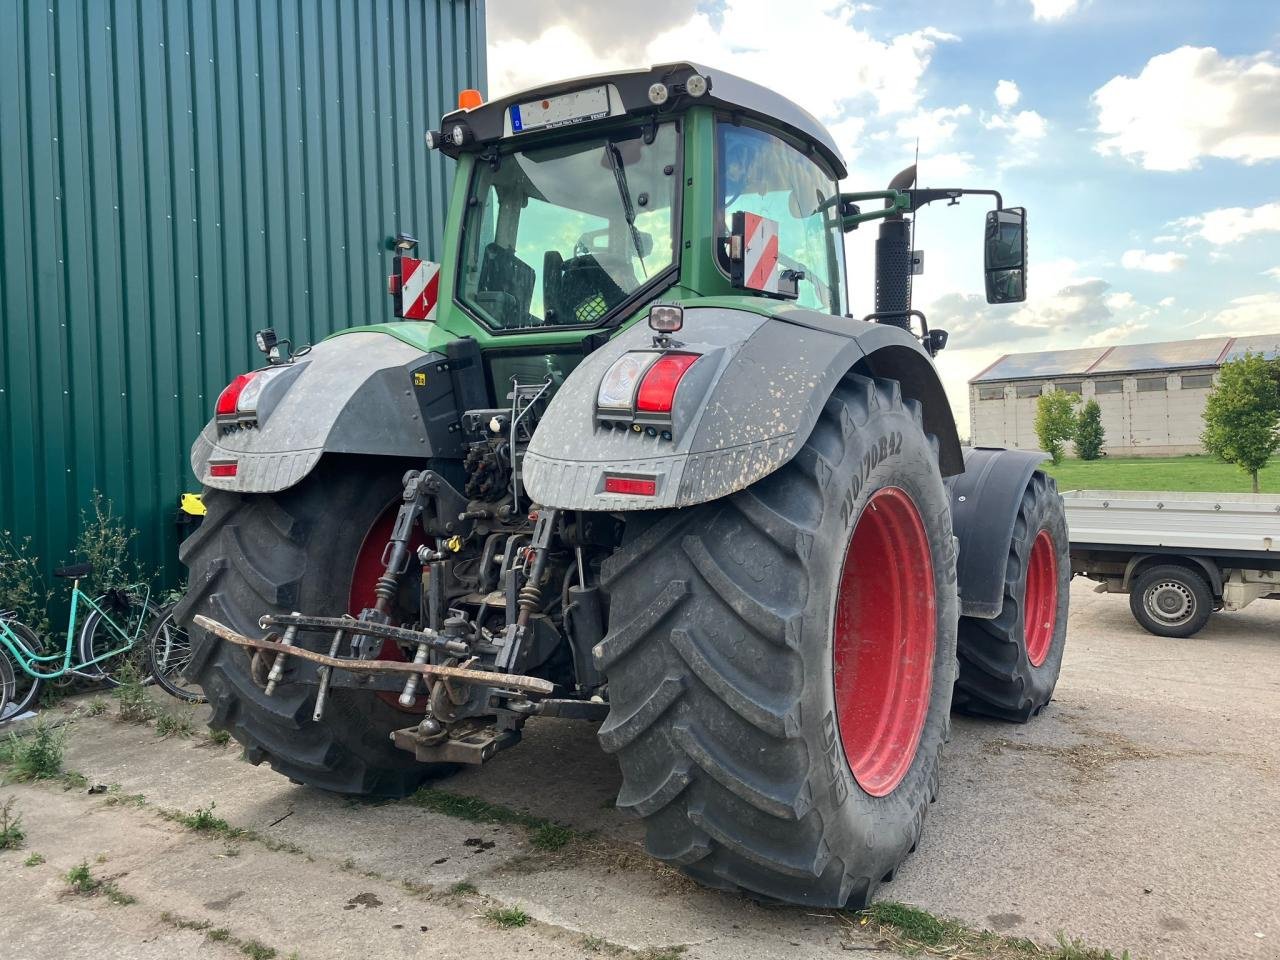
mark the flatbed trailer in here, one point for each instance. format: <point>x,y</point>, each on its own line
<point>1179,556</point>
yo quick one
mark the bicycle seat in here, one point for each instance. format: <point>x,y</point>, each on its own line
<point>74,572</point>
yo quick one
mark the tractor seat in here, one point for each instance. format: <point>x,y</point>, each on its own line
<point>76,571</point>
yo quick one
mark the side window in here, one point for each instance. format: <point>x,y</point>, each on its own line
<point>761,174</point>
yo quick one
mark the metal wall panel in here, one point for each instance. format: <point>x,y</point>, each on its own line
<point>175,174</point>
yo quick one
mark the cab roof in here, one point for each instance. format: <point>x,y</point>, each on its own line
<point>490,122</point>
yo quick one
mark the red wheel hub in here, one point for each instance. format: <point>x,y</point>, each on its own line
<point>364,577</point>
<point>884,637</point>
<point>1040,604</point>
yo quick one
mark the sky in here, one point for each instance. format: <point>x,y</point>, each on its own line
<point>1142,136</point>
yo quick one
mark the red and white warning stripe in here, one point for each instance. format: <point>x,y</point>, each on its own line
<point>419,288</point>
<point>760,253</point>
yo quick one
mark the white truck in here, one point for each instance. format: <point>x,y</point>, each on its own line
<point>1179,556</point>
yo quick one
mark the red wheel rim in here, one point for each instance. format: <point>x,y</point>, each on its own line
<point>883,641</point>
<point>1040,605</point>
<point>364,577</point>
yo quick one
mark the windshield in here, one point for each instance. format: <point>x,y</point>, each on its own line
<point>559,236</point>
<point>761,174</point>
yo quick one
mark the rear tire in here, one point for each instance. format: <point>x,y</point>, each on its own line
<point>1171,600</point>
<point>276,553</point>
<point>23,689</point>
<point>1009,666</point>
<point>738,647</point>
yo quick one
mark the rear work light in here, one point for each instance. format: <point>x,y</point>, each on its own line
<point>634,486</point>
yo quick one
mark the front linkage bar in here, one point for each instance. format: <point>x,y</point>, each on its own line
<point>488,678</point>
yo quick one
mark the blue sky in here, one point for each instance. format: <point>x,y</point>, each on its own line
<point>1143,137</point>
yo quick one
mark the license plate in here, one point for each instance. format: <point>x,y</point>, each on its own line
<point>561,111</point>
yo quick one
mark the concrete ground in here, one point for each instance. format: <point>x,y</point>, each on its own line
<point>1136,813</point>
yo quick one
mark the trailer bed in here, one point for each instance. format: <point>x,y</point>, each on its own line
<point>1234,524</point>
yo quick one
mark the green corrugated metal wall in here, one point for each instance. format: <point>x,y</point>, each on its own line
<point>175,174</point>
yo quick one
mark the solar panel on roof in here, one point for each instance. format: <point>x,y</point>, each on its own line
<point>1049,363</point>
<point>1267,344</point>
<point>1163,356</point>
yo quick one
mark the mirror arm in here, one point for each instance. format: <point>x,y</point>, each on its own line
<point>896,202</point>
<point>918,198</point>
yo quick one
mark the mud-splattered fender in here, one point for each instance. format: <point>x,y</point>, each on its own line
<point>742,410</point>
<point>360,393</point>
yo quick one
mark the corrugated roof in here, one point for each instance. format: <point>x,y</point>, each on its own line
<point>1129,358</point>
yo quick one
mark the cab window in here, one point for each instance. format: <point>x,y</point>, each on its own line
<point>760,173</point>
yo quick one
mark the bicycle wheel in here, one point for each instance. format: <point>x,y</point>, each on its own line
<point>168,653</point>
<point>23,689</point>
<point>96,638</point>
<point>6,684</point>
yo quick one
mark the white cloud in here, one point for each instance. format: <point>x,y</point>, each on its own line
<point>946,168</point>
<point>1114,333</point>
<point>811,51</point>
<point>1007,94</point>
<point>1230,224</point>
<point>1152,262</point>
<point>1119,301</point>
<point>1168,302</point>
<point>1191,103</point>
<point>1053,9</point>
<point>932,127</point>
<point>1273,273</point>
<point>1025,126</point>
<point>1243,316</point>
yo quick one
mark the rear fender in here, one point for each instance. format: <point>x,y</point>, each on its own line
<point>743,410</point>
<point>360,393</point>
<point>984,508</point>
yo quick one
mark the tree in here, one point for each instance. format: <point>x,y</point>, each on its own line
<point>1089,435</point>
<point>1242,414</point>
<point>1055,421</point>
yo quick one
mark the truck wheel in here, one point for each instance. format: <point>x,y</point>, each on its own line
<point>1170,600</point>
<point>299,549</point>
<point>1009,666</point>
<point>781,662</point>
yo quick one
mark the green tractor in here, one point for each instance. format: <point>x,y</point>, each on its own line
<point>633,462</point>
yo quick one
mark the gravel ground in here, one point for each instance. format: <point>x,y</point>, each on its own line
<point>1134,814</point>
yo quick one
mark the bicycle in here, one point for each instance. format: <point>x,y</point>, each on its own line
<point>24,666</point>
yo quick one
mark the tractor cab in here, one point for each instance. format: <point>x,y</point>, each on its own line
<point>578,203</point>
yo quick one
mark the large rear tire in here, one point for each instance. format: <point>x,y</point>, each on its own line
<point>296,550</point>
<point>781,662</point>
<point>1009,666</point>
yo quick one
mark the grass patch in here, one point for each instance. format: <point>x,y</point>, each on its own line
<point>11,834</point>
<point>34,860</point>
<point>219,738</point>
<point>36,757</point>
<point>116,797</point>
<point>80,880</point>
<point>913,931</point>
<point>204,821</point>
<point>543,834</point>
<point>463,888</point>
<point>1185,474</point>
<point>174,725</point>
<point>97,707</point>
<point>133,704</point>
<point>254,949</point>
<point>508,917</point>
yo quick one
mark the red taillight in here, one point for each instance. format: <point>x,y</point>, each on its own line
<point>631,485</point>
<point>230,396</point>
<point>658,388</point>
<point>223,469</point>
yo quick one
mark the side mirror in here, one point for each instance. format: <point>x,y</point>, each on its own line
<point>1005,255</point>
<point>753,258</point>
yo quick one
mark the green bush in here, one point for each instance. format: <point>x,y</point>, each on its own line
<point>23,589</point>
<point>1055,421</point>
<point>1089,435</point>
<point>36,757</point>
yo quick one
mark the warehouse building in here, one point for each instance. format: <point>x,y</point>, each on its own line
<point>1152,395</point>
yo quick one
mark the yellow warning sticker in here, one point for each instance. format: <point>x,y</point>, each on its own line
<point>419,379</point>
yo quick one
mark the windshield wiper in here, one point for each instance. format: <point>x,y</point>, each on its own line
<point>628,211</point>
